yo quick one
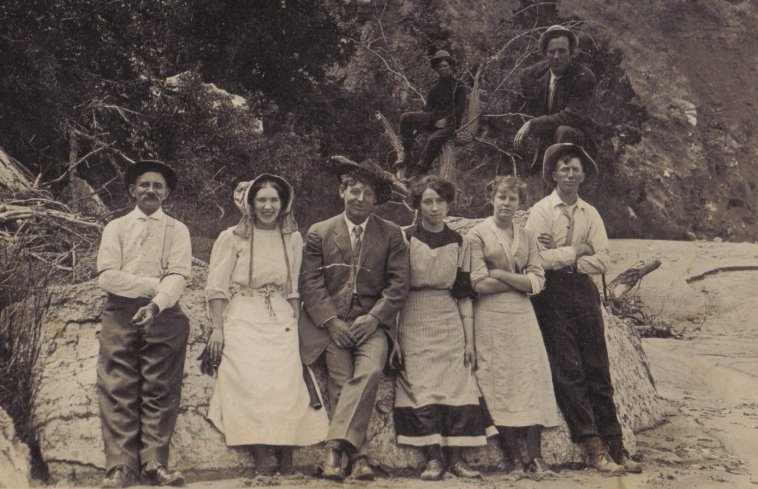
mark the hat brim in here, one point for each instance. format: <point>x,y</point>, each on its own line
<point>553,154</point>
<point>559,31</point>
<point>144,166</point>
<point>436,61</point>
<point>382,182</point>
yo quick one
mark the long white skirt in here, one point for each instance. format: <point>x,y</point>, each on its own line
<point>512,365</point>
<point>260,396</point>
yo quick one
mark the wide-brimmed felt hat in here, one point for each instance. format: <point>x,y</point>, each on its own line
<point>380,179</point>
<point>244,202</point>
<point>143,166</point>
<point>442,55</point>
<point>554,153</point>
<point>557,31</point>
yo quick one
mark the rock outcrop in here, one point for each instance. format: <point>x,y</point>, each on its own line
<point>68,421</point>
<point>14,456</point>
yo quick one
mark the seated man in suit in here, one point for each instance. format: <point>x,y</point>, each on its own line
<point>560,94</point>
<point>353,281</point>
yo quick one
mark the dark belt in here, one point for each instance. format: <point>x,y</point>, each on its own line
<point>416,289</point>
<point>568,269</point>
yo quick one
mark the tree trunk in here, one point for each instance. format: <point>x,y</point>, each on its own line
<point>13,175</point>
<point>446,167</point>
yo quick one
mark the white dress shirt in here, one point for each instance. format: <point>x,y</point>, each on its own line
<point>130,255</point>
<point>547,216</point>
<point>351,226</point>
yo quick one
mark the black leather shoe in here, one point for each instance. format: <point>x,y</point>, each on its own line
<point>333,465</point>
<point>119,476</point>
<point>158,475</point>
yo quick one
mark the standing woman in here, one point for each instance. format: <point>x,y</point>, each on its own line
<point>260,397</point>
<point>513,369</point>
<point>437,400</point>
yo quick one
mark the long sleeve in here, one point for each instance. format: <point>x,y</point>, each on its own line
<point>397,276</point>
<point>172,284</point>
<point>223,259</point>
<point>580,93</point>
<point>316,299</point>
<point>539,222</point>
<point>459,108</point>
<point>479,270</point>
<point>533,269</point>
<point>109,261</point>
<point>296,260</point>
<point>598,239</point>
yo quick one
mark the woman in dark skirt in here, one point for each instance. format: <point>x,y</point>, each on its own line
<point>437,400</point>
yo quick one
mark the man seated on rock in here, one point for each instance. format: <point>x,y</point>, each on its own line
<point>445,106</point>
<point>559,93</point>
<point>143,262</point>
<point>353,282</point>
<point>574,245</point>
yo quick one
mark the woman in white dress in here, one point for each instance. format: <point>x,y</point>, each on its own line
<point>260,398</point>
<point>513,369</point>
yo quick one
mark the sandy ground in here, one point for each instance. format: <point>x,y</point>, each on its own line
<point>710,387</point>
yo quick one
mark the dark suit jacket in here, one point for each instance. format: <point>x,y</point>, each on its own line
<point>382,283</point>
<point>573,102</point>
<point>447,100</point>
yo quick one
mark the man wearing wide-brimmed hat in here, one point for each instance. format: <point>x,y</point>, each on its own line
<point>442,115</point>
<point>573,246</point>
<point>560,93</point>
<point>353,282</point>
<point>143,262</point>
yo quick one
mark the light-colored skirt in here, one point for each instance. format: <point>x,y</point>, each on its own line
<point>437,400</point>
<point>260,395</point>
<point>512,365</point>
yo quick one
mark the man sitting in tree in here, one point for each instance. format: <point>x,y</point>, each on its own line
<point>445,106</point>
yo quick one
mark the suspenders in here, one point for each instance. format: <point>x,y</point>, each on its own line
<point>168,234</point>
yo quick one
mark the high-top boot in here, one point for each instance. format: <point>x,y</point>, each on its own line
<point>597,456</point>
<point>619,454</point>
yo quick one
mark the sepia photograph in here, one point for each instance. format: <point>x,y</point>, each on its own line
<point>306,244</point>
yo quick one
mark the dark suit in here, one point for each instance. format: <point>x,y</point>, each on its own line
<point>382,286</point>
<point>446,100</point>
<point>568,121</point>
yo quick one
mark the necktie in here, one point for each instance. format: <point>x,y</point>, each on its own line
<point>357,243</point>
<point>145,230</point>
<point>551,92</point>
<point>569,213</point>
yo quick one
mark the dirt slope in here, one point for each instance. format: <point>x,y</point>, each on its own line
<point>692,64</point>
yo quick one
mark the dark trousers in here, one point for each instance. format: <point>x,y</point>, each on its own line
<point>139,379</point>
<point>569,315</point>
<point>423,121</point>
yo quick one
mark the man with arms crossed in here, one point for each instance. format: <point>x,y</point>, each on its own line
<point>574,245</point>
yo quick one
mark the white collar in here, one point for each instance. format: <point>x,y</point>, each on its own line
<point>351,225</point>
<point>137,213</point>
<point>555,201</point>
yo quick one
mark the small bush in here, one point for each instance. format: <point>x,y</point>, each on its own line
<point>25,297</point>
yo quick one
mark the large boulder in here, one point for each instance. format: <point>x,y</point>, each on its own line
<point>14,456</point>
<point>67,416</point>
